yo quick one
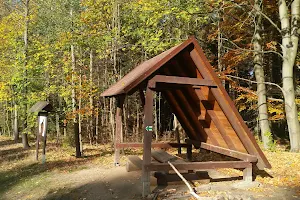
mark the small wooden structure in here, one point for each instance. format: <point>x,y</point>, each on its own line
<point>200,103</point>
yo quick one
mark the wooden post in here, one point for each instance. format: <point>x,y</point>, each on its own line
<point>44,149</point>
<point>247,174</point>
<point>189,152</point>
<point>37,143</point>
<point>148,130</point>
<point>178,138</point>
<point>118,133</point>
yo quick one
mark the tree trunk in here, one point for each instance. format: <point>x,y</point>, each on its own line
<point>289,50</point>
<point>25,141</point>
<point>79,115</point>
<point>91,128</point>
<point>57,127</point>
<point>260,78</point>
<point>26,16</point>
<point>76,125</point>
<point>16,132</point>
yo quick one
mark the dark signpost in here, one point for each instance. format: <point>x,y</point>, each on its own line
<point>43,108</point>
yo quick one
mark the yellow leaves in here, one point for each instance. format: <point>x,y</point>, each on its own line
<point>285,169</point>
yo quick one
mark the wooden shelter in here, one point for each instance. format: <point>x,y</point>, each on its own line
<point>201,104</point>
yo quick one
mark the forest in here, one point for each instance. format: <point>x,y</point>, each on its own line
<point>68,52</point>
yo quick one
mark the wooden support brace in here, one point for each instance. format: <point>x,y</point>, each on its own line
<point>224,151</point>
<point>229,152</point>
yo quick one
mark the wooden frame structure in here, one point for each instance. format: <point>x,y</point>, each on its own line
<point>201,104</point>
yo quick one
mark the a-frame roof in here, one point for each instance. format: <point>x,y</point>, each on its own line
<point>207,114</point>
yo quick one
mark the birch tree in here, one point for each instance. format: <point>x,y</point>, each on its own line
<point>289,45</point>
<point>260,77</point>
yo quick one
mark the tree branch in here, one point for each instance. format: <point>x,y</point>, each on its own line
<point>268,83</point>
<point>269,19</point>
<point>249,50</point>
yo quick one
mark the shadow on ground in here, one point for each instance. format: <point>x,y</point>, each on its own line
<point>11,177</point>
<point>7,142</point>
<point>118,185</point>
<point>9,155</point>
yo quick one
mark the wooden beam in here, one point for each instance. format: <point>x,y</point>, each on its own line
<point>153,145</point>
<point>229,152</point>
<point>118,133</point>
<point>148,121</point>
<point>180,81</point>
<point>198,165</point>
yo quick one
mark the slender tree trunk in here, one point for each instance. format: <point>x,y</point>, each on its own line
<point>26,16</point>
<point>91,128</point>
<point>16,132</point>
<point>97,125</point>
<point>57,127</point>
<point>74,106</point>
<point>290,32</point>
<point>7,121</point>
<point>260,78</point>
<point>79,114</point>
<point>58,134</point>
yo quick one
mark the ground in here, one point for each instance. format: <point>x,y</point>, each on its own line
<point>94,177</point>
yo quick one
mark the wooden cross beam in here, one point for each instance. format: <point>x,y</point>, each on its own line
<point>179,81</point>
<point>224,151</point>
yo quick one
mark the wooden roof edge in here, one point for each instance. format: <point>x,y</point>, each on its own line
<point>130,86</point>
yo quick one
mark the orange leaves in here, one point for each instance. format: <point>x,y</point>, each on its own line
<point>271,45</point>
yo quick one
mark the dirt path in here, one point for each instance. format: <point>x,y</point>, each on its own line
<point>93,177</point>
